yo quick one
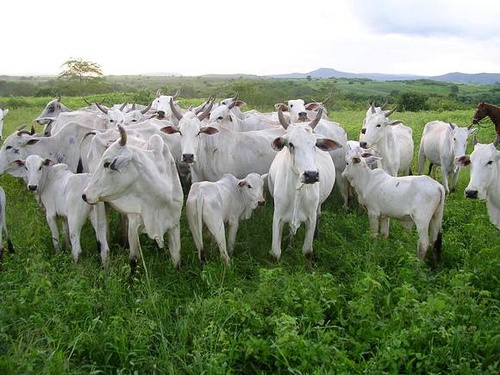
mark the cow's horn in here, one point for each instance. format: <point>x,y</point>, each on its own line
<point>175,112</point>
<point>101,108</point>
<point>282,119</point>
<point>319,115</point>
<point>123,136</point>
<point>388,113</point>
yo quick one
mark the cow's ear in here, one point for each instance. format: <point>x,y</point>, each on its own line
<point>32,142</point>
<point>18,162</point>
<point>119,163</point>
<point>395,122</point>
<point>356,160</point>
<point>327,144</point>
<point>48,162</point>
<point>463,161</point>
<point>283,107</point>
<point>242,183</point>
<point>279,143</point>
<point>169,130</point>
<point>209,130</point>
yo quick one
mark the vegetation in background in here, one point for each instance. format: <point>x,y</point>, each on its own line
<point>366,306</point>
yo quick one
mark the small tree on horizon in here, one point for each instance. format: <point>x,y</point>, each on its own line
<point>82,71</point>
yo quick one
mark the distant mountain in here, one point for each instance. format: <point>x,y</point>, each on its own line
<point>479,78</point>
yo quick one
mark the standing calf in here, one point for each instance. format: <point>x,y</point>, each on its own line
<point>60,193</point>
<point>411,199</point>
<point>227,200</point>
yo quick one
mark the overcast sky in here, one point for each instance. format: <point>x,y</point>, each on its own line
<point>423,37</point>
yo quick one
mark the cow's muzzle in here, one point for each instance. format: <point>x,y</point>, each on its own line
<point>33,187</point>
<point>188,158</point>
<point>261,203</point>
<point>310,177</point>
<point>471,194</point>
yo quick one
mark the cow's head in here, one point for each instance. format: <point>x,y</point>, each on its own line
<point>16,146</point>
<point>460,137</point>
<point>161,104</point>
<point>51,111</point>
<point>301,142</point>
<point>484,163</point>
<point>252,190</point>
<point>375,127</point>
<point>114,174</point>
<point>191,128</point>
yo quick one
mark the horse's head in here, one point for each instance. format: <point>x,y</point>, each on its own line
<point>481,112</point>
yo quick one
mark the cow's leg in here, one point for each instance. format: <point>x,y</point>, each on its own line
<point>174,245</point>
<point>423,238</point>
<point>444,179</point>
<point>232,231</point>
<point>52,222</point>
<point>454,180</point>
<point>65,227</point>
<point>216,227</point>
<point>307,247</point>
<point>75,225</point>
<point>277,234</point>
<point>384,226</point>
<point>99,220</point>
<point>134,221</point>
<point>421,161</point>
<point>374,219</point>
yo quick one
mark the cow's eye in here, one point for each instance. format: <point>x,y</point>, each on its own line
<point>249,186</point>
<point>490,162</point>
<point>8,147</point>
<point>378,125</point>
<point>220,118</point>
<point>291,145</point>
<point>106,164</point>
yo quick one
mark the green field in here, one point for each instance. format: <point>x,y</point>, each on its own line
<point>367,305</point>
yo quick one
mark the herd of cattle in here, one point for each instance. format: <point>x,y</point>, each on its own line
<point>143,160</point>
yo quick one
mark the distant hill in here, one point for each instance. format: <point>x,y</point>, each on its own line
<point>479,78</point>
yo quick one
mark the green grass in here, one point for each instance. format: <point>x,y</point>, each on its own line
<point>366,306</point>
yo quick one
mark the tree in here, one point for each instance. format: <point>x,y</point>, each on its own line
<point>83,71</point>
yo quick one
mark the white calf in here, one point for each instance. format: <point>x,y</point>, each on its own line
<point>485,178</point>
<point>214,204</point>
<point>443,144</point>
<point>411,199</point>
<point>3,225</point>
<point>60,192</point>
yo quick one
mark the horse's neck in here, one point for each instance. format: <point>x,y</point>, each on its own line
<point>494,113</point>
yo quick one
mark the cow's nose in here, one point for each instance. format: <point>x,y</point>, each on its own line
<point>363,144</point>
<point>471,194</point>
<point>363,131</point>
<point>32,187</point>
<point>261,203</point>
<point>161,114</point>
<point>188,158</point>
<point>84,197</point>
<point>303,115</point>
<point>310,177</point>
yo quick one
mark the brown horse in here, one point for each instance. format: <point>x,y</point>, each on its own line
<point>492,111</point>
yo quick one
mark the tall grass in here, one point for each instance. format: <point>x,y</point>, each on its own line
<point>366,306</point>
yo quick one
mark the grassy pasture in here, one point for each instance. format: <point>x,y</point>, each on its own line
<point>367,306</point>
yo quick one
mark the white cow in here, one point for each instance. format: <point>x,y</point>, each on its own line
<point>410,199</point>
<point>392,141</point>
<point>143,184</point>
<point>443,143</point>
<point>224,116</point>
<point>63,147</point>
<point>211,152</point>
<point>3,113</point>
<point>299,111</point>
<point>3,225</point>
<point>161,108</point>
<point>226,201</point>
<point>485,178</point>
<point>60,193</point>
<point>300,179</point>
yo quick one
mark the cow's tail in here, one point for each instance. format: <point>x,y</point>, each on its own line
<point>436,225</point>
